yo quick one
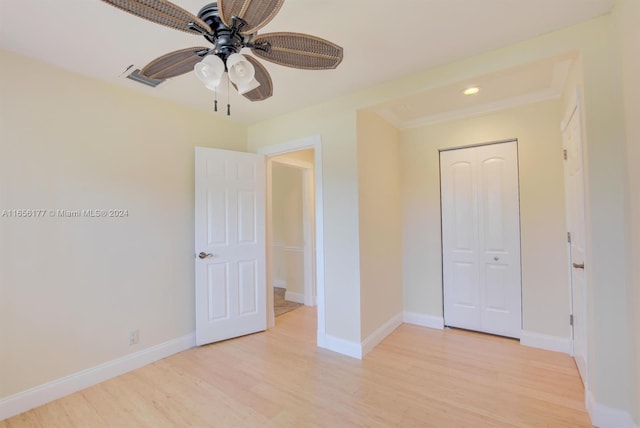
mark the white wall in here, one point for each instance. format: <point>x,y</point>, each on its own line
<point>72,288</point>
<point>380,222</point>
<point>545,287</point>
<point>627,15</point>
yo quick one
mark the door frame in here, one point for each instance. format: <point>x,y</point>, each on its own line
<point>307,222</point>
<point>313,142</point>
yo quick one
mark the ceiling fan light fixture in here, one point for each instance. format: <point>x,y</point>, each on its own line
<point>241,71</point>
<point>471,90</point>
<point>210,71</point>
<point>248,87</point>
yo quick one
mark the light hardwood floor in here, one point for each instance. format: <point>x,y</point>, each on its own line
<point>417,377</point>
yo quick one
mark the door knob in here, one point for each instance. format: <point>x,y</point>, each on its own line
<point>578,265</point>
<point>204,255</point>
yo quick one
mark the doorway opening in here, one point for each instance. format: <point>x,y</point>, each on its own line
<point>292,230</point>
<point>305,156</point>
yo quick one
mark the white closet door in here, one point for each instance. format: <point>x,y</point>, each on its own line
<point>481,238</point>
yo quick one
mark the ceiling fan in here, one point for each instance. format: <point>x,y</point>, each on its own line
<point>231,25</point>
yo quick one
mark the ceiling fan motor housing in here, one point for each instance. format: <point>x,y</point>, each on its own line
<point>226,40</point>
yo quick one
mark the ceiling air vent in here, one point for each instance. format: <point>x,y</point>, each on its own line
<point>135,75</point>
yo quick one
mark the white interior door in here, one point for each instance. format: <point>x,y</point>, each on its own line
<point>481,238</point>
<point>229,244</point>
<point>572,141</point>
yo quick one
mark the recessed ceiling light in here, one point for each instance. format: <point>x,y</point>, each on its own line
<point>471,90</point>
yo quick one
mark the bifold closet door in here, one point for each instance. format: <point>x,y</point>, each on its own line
<point>481,238</point>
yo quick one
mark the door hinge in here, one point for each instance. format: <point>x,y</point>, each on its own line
<point>564,154</point>
<point>571,319</point>
<point>569,237</point>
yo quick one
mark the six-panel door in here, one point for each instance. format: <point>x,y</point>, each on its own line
<point>229,244</point>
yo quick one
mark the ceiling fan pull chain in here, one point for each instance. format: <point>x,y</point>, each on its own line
<point>215,101</point>
<point>228,105</point>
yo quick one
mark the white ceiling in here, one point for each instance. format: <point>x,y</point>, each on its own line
<point>382,40</point>
<point>524,84</point>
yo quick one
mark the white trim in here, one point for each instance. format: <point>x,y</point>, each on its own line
<point>294,297</point>
<point>313,142</point>
<point>45,393</point>
<point>279,283</point>
<point>380,333</point>
<point>424,320</point>
<point>607,417</point>
<point>545,341</point>
<point>341,346</point>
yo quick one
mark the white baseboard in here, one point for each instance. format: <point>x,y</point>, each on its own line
<point>424,320</point>
<point>607,417</point>
<point>45,393</point>
<point>544,341</point>
<point>383,331</point>
<point>294,297</point>
<point>279,283</point>
<point>341,346</point>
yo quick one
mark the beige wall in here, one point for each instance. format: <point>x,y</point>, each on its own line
<point>380,222</point>
<point>545,288</point>
<point>336,126</point>
<point>72,288</point>
<point>626,15</point>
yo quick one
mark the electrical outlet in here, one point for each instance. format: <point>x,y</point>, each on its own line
<point>133,337</point>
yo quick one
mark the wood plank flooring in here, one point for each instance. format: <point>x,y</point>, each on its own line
<point>417,377</point>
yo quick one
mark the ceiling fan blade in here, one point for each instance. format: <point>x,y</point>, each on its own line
<point>298,50</point>
<point>256,13</point>
<point>174,63</point>
<point>265,90</point>
<point>162,12</point>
